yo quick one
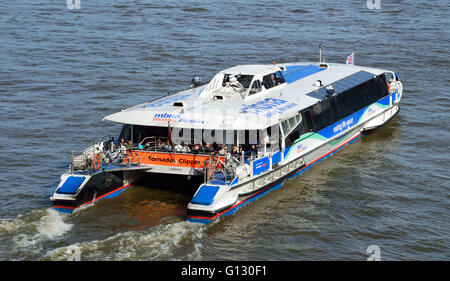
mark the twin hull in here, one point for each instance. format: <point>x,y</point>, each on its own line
<point>298,158</point>
<point>225,199</point>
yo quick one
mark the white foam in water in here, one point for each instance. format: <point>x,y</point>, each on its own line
<point>29,231</point>
<point>52,225</point>
<point>10,225</point>
<point>162,242</point>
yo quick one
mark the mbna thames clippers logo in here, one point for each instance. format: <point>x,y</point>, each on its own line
<point>166,117</point>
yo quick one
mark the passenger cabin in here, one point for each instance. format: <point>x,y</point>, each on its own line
<point>284,102</point>
<point>336,101</point>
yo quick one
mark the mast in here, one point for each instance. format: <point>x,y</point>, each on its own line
<point>320,53</point>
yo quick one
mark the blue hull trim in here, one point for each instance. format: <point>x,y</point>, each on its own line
<point>70,209</point>
<point>62,210</point>
<point>324,157</point>
<point>233,209</point>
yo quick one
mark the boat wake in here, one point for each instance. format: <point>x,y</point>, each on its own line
<point>178,241</point>
<point>28,234</point>
<point>47,234</point>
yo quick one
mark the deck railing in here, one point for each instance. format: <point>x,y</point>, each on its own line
<point>94,157</point>
<point>98,155</point>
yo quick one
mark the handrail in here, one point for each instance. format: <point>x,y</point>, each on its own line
<point>230,164</point>
<point>152,137</point>
<point>131,160</point>
<point>201,150</point>
<point>118,155</point>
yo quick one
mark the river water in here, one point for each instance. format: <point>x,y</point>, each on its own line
<point>62,70</point>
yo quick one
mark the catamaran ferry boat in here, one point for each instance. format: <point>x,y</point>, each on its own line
<point>235,138</point>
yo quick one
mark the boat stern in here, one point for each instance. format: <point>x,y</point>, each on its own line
<point>64,198</point>
<point>209,201</point>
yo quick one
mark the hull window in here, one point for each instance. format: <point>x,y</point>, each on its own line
<point>337,106</point>
<point>294,127</point>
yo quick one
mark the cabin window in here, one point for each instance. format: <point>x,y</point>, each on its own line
<point>297,126</point>
<point>286,127</point>
<point>330,110</point>
<point>268,81</point>
<point>319,117</point>
<point>290,124</point>
<point>338,106</point>
<point>389,76</point>
<point>293,121</point>
<point>244,80</point>
<point>256,87</point>
<point>307,115</point>
<point>273,79</point>
<point>279,78</point>
<point>342,106</point>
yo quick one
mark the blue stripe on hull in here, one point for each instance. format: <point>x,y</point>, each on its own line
<point>63,210</point>
<point>323,158</point>
<point>111,194</point>
<point>276,186</point>
<point>233,210</point>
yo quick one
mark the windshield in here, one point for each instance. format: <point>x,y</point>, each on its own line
<point>244,80</point>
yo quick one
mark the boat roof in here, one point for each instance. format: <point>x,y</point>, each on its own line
<point>213,106</point>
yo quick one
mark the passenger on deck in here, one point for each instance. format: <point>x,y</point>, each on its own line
<point>166,146</point>
<point>223,150</point>
<point>196,149</point>
<point>186,148</point>
<point>122,146</point>
<point>209,148</point>
<point>236,151</point>
<point>178,147</point>
<point>147,145</point>
<point>253,151</point>
<point>159,144</point>
<point>129,145</point>
<point>182,147</point>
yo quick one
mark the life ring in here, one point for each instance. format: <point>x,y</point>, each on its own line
<point>96,162</point>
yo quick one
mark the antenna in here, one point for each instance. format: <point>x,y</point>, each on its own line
<point>320,53</point>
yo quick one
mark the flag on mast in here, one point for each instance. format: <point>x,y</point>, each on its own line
<point>350,59</point>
